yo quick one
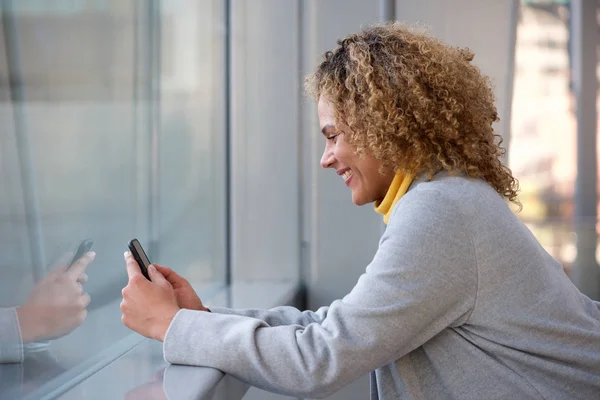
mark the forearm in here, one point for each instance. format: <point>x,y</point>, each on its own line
<point>278,316</point>
<point>11,342</point>
<point>290,360</point>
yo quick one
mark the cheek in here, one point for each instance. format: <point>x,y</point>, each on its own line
<point>345,154</point>
<point>369,169</point>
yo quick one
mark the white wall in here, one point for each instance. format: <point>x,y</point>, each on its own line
<point>265,92</point>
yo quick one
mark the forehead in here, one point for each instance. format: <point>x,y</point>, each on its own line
<point>326,112</point>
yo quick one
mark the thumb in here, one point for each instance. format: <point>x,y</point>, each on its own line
<point>166,272</point>
<point>174,279</point>
<point>156,276</point>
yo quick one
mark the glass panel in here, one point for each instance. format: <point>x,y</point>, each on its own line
<point>113,123</point>
<point>266,85</point>
<point>542,148</point>
<point>192,144</point>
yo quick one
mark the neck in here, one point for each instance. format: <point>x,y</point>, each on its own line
<point>397,189</point>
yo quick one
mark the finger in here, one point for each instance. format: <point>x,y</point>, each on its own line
<point>157,277</point>
<point>79,266</point>
<point>59,266</point>
<point>168,273</point>
<point>62,262</point>
<point>133,269</point>
<point>85,300</point>
<point>82,316</point>
<point>83,278</point>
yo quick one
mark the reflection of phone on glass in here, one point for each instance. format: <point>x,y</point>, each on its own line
<point>140,256</point>
<point>84,247</point>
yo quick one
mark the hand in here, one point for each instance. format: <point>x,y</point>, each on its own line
<point>57,304</point>
<point>186,296</point>
<point>148,307</point>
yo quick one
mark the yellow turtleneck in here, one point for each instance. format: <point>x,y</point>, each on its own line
<point>397,189</point>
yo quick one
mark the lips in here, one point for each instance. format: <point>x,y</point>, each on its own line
<point>347,177</point>
<point>346,174</point>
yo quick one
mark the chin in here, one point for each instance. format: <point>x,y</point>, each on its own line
<point>359,199</point>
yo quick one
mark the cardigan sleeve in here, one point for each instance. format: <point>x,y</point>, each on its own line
<point>11,344</point>
<point>278,316</point>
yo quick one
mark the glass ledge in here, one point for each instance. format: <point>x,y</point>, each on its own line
<point>142,374</point>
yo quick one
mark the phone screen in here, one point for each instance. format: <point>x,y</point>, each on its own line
<point>140,256</point>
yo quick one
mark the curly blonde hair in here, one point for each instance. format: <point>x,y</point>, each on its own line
<point>416,104</point>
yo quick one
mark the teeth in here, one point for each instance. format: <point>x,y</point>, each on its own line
<point>346,175</point>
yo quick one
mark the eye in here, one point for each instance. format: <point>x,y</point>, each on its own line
<point>333,138</point>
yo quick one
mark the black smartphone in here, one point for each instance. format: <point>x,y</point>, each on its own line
<point>140,256</point>
<point>84,247</point>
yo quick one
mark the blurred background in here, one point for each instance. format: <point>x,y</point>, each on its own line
<point>183,123</point>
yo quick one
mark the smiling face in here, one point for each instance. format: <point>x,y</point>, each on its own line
<point>360,173</point>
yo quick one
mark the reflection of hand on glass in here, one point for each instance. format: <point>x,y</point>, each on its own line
<point>57,304</point>
<point>153,390</point>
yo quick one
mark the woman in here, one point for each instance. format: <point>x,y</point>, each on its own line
<point>460,300</point>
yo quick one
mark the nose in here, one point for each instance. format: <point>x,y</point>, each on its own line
<point>328,159</point>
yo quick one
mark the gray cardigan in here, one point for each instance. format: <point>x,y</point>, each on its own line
<point>459,302</point>
<point>11,344</point>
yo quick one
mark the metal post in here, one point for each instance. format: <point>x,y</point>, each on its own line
<point>155,128</point>
<point>584,26</point>
<point>387,13</point>
<point>510,78</point>
<point>227,104</point>
<point>387,10</point>
<point>26,161</point>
